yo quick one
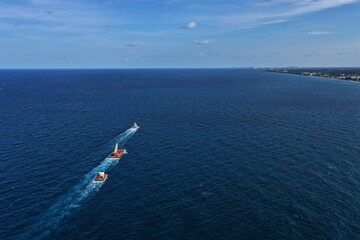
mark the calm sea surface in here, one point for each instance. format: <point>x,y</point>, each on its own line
<point>221,154</point>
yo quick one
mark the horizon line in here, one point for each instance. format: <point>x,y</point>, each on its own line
<point>159,68</point>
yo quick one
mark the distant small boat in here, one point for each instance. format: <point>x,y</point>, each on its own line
<point>100,177</point>
<point>135,126</point>
<point>117,153</point>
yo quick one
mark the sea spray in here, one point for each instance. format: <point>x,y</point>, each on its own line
<point>52,218</point>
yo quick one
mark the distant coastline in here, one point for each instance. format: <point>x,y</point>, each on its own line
<point>346,74</point>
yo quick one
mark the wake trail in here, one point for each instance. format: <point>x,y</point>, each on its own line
<point>69,202</point>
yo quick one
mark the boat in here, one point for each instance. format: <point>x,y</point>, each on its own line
<point>117,153</point>
<point>100,177</point>
<point>135,126</point>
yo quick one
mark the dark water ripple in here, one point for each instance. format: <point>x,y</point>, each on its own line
<point>221,154</point>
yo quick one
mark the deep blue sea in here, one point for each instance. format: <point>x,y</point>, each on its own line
<point>221,154</point>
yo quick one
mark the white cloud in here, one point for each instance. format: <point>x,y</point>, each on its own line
<point>319,33</point>
<point>314,54</point>
<point>278,11</point>
<point>190,25</point>
<point>200,55</point>
<point>46,15</point>
<point>201,42</point>
<point>133,44</point>
<point>273,22</point>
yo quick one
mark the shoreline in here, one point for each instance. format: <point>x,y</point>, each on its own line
<point>351,75</point>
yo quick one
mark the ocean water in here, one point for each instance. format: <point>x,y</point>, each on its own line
<point>221,154</point>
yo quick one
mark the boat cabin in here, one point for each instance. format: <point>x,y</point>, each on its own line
<point>101,176</point>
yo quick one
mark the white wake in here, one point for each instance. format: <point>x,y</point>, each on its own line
<point>84,189</point>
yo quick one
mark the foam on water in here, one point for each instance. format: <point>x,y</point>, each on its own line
<point>72,200</point>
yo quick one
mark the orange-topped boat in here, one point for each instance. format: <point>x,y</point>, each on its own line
<point>117,153</point>
<point>100,177</point>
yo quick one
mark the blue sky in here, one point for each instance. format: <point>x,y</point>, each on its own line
<point>179,33</point>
